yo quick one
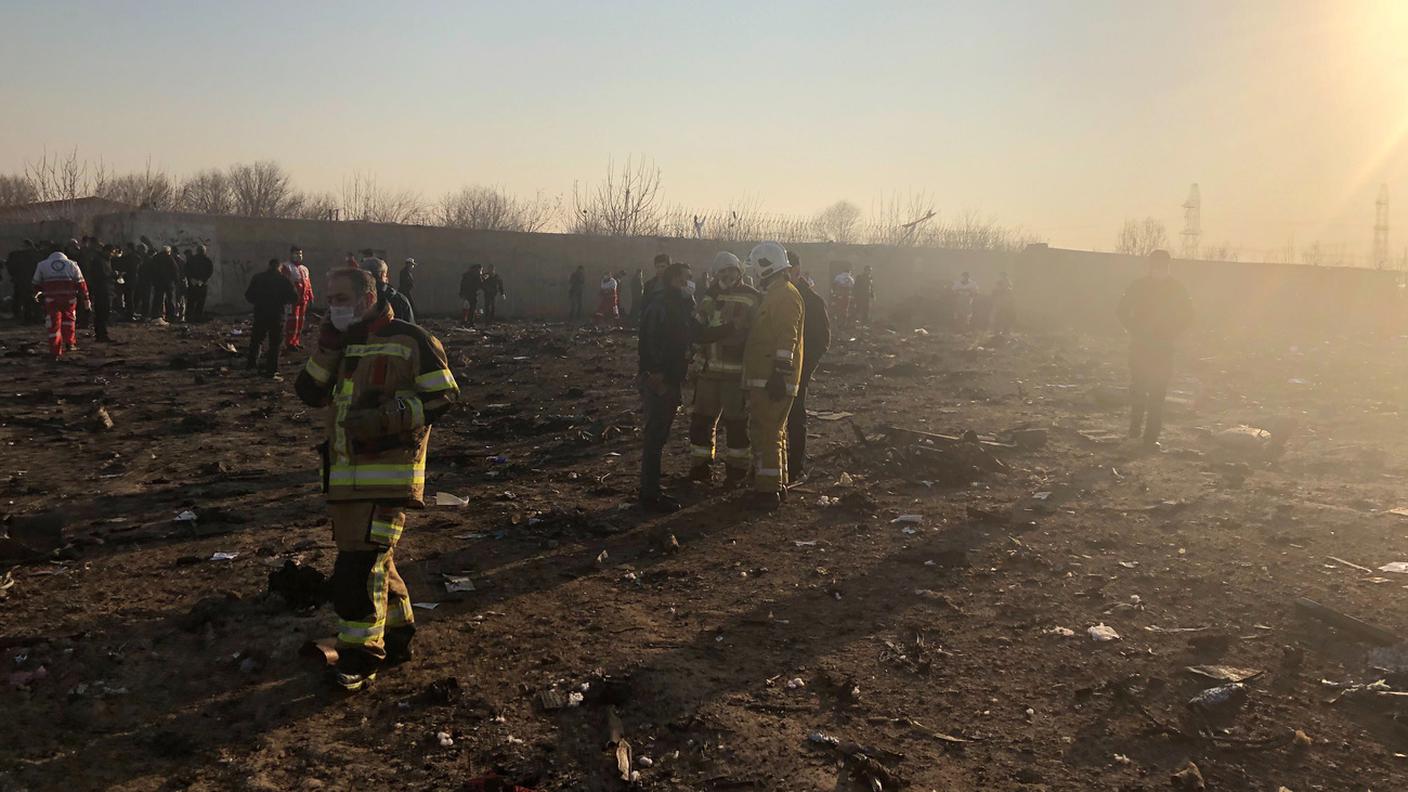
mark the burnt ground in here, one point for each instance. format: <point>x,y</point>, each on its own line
<point>936,645</point>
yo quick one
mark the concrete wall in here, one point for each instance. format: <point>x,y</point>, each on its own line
<point>1055,288</point>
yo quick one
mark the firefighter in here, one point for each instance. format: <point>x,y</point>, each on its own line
<point>297,274</point>
<point>385,381</point>
<point>718,386</point>
<point>1155,311</point>
<point>59,282</point>
<point>772,371</point>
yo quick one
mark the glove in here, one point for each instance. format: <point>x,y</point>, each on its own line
<point>777,391</point>
<point>366,424</point>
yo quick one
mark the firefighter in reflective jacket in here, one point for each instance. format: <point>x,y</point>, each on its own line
<point>772,371</point>
<point>384,381</point>
<point>718,384</point>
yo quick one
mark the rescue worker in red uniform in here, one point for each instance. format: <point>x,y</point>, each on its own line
<point>59,282</point>
<point>1155,311</point>
<point>718,383</point>
<point>297,274</point>
<point>772,371</point>
<point>383,381</point>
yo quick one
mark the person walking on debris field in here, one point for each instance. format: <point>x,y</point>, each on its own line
<point>297,274</point>
<point>864,295</point>
<point>718,385</point>
<point>470,283</point>
<point>99,276</point>
<point>966,292</point>
<point>608,305</point>
<point>406,280</point>
<point>493,287</point>
<point>576,288</point>
<point>19,265</point>
<point>842,287</point>
<point>1004,306</point>
<point>387,293</point>
<point>816,339</point>
<point>667,331</point>
<point>772,371</point>
<point>199,270</point>
<point>386,381</point>
<point>271,294</point>
<point>1155,311</point>
<point>59,282</point>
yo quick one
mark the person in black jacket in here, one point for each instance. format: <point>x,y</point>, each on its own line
<point>98,272</point>
<point>668,329</point>
<point>163,271</point>
<point>269,292</point>
<point>407,280</point>
<point>816,339</point>
<point>493,288</point>
<point>20,266</point>
<point>400,306</point>
<point>470,283</point>
<point>199,270</point>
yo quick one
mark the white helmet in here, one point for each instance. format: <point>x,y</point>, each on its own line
<point>770,258</point>
<point>725,260</point>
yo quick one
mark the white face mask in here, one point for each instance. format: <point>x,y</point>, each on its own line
<point>341,316</point>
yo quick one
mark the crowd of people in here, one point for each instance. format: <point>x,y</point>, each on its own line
<point>748,337</point>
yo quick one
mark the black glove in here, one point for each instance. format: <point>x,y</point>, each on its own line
<point>777,391</point>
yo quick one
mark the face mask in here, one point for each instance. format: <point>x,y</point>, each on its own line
<point>728,281</point>
<point>342,317</point>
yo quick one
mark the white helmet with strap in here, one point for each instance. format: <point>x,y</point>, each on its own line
<point>770,258</point>
<point>725,260</point>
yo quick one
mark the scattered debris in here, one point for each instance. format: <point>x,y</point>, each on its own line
<point>1189,778</point>
<point>302,587</point>
<point>908,519</point>
<point>1346,623</point>
<point>447,499</point>
<point>186,516</point>
<point>1393,566</point>
<point>1101,633</point>
<point>1220,698</point>
<point>1222,673</point>
<point>865,763</point>
<point>99,420</point>
<point>457,583</point>
<point>219,556</point>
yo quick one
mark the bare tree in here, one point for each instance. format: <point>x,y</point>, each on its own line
<point>838,222</point>
<point>208,192</point>
<point>16,190</point>
<point>64,177</point>
<point>627,203</point>
<point>1222,252</point>
<point>316,206</point>
<point>494,209</point>
<point>148,190</point>
<point>362,198</point>
<point>901,221</point>
<point>262,189</point>
<point>1140,238</point>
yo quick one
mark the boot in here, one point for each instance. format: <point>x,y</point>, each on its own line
<point>355,669</point>
<point>764,501</point>
<point>701,472</point>
<point>735,477</point>
<point>398,644</point>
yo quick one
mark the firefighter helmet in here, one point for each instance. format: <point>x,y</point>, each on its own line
<point>770,258</point>
<point>725,260</point>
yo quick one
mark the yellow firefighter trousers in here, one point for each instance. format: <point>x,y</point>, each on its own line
<point>714,396</point>
<point>367,592</point>
<point>767,430</point>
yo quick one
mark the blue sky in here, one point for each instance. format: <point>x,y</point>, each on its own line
<point>1064,117</point>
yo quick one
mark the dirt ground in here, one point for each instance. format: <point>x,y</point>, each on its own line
<point>951,646</point>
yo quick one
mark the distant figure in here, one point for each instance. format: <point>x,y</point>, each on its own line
<point>576,288</point>
<point>470,283</point>
<point>1004,306</point>
<point>864,295</point>
<point>162,273</point>
<point>493,288</point>
<point>407,280</point>
<point>271,294</point>
<point>966,293</point>
<point>19,265</point>
<point>199,270</point>
<point>99,277</point>
<point>637,294</point>
<point>60,282</point>
<point>842,286</point>
<point>608,304</point>
<point>297,274</point>
<point>386,293</point>
<point>1155,311</point>
<point>662,260</point>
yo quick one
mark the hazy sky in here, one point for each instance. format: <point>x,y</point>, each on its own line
<point>1064,117</point>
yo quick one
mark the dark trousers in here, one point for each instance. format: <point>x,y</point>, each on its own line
<point>25,306</point>
<point>797,431</point>
<point>1150,368</point>
<point>575,310</point>
<point>102,306</point>
<point>270,330</point>
<point>659,414</point>
<point>491,304</point>
<point>195,302</point>
<point>164,301</point>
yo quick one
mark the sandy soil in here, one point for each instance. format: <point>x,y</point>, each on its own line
<point>935,643</point>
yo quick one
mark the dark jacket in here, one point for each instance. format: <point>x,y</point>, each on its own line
<point>470,283</point>
<point>577,282</point>
<point>269,292</point>
<point>199,267</point>
<point>163,270</point>
<point>398,302</point>
<point>493,286</point>
<point>667,330</point>
<point>407,279</point>
<point>816,329</point>
<point>1155,311</point>
<point>98,272</point>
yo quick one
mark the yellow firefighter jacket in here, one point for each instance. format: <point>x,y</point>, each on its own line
<point>383,388</point>
<point>724,359</point>
<point>775,342</point>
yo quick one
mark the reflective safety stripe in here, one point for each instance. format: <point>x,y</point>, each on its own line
<point>745,452</point>
<point>784,354</point>
<point>371,350</point>
<point>742,299</point>
<point>755,383</point>
<point>388,531</point>
<point>376,475</point>
<point>438,380</point>
<point>417,412</point>
<point>319,374</point>
<point>701,451</point>
<point>356,633</point>
<point>791,389</point>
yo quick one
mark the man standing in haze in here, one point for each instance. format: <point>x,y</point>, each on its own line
<point>387,293</point>
<point>493,287</point>
<point>407,280</point>
<point>864,295</point>
<point>966,292</point>
<point>19,265</point>
<point>199,270</point>
<point>842,287</point>
<point>816,339</point>
<point>718,386</point>
<point>1004,306</point>
<point>384,382</point>
<point>59,281</point>
<point>297,274</point>
<point>99,276</point>
<point>653,286</point>
<point>1155,311</point>
<point>162,273</point>
<point>271,294</point>
<point>576,288</point>
<point>772,372</point>
<point>470,283</point>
